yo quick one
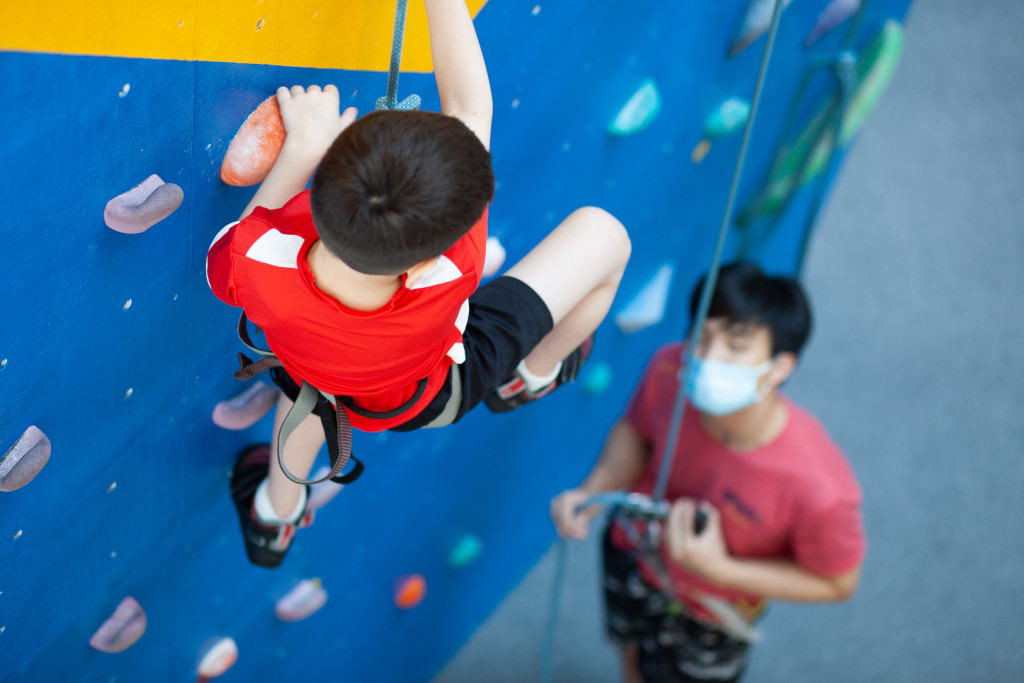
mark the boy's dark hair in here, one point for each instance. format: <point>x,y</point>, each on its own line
<point>400,187</point>
<point>744,294</point>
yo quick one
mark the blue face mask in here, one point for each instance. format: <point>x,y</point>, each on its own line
<point>718,388</point>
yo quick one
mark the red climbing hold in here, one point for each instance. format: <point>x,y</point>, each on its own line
<point>122,630</point>
<point>255,147</point>
<point>24,459</point>
<point>143,206</point>
<point>410,591</point>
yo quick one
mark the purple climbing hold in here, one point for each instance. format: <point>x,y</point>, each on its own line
<point>247,408</point>
<point>24,459</point>
<point>835,13</point>
<point>122,630</point>
<point>143,206</point>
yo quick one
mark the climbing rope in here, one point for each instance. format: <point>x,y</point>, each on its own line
<point>634,505</point>
<point>390,100</point>
<point>697,325</point>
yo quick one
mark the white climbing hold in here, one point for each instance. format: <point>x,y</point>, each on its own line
<point>218,658</point>
<point>302,601</point>
<point>494,256</point>
<point>648,306</point>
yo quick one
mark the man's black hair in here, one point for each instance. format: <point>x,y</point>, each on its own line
<point>400,187</point>
<point>745,294</point>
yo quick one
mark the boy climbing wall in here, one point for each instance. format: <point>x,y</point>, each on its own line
<point>366,284</point>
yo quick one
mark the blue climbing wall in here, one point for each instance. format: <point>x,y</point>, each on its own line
<point>117,350</point>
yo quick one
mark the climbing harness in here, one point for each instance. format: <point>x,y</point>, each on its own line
<point>390,100</point>
<point>650,546</point>
<point>309,396</point>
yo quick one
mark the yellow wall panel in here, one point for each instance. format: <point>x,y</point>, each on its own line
<point>343,34</point>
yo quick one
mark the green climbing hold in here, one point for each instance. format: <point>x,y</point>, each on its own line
<point>874,70</point>
<point>639,111</point>
<point>466,551</point>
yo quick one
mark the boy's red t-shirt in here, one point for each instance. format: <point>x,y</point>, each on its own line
<point>377,357</point>
<point>795,498</point>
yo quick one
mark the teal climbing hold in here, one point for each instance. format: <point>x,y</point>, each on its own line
<point>598,379</point>
<point>647,307</point>
<point>726,118</point>
<point>466,551</point>
<point>639,111</point>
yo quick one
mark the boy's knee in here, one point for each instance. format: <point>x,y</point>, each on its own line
<point>605,229</point>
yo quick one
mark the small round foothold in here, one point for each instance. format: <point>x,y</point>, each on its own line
<point>598,379</point>
<point>3,364</point>
<point>466,551</point>
<point>128,394</point>
<point>124,89</point>
<point>536,10</point>
<point>127,304</point>
<point>17,535</point>
<point>113,485</point>
<point>410,591</point>
<point>700,151</point>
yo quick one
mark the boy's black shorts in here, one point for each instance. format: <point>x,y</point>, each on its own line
<point>672,646</point>
<point>506,320</point>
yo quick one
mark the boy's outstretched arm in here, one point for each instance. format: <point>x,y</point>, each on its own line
<point>459,66</point>
<point>311,121</point>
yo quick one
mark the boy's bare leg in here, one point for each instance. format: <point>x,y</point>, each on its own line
<point>630,665</point>
<point>576,270</point>
<point>300,452</point>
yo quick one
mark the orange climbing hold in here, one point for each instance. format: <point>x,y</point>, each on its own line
<point>410,591</point>
<point>255,147</point>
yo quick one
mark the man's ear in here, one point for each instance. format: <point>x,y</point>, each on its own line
<point>785,364</point>
<point>419,270</point>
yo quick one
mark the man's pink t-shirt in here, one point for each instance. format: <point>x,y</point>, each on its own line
<point>795,498</point>
<point>377,357</point>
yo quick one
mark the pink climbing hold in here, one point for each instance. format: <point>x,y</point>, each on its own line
<point>24,459</point>
<point>255,147</point>
<point>410,591</point>
<point>301,602</point>
<point>122,630</point>
<point>143,206</point>
<point>247,408</point>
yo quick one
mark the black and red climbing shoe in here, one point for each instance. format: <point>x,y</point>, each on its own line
<point>512,393</point>
<point>265,545</point>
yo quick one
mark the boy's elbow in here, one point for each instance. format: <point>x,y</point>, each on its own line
<point>607,228</point>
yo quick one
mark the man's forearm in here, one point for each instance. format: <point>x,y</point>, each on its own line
<point>622,460</point>
<point>459,65</point>
<point>786,580</point>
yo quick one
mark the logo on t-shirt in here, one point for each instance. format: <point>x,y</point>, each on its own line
<point>738,506</point>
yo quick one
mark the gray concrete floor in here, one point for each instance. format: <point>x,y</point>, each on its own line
<point>916,276</point>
